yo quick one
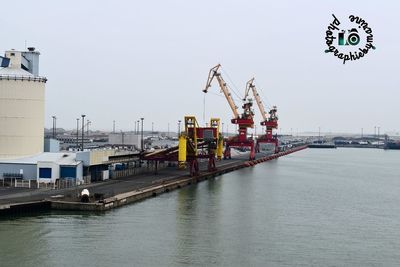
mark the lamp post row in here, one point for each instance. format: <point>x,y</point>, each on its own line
<point>137,125</point>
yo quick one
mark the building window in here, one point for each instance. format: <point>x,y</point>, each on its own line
<point>67,172</point>
<point>12,54</point>
<point>44,172</point>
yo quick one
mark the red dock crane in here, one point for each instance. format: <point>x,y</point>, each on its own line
<point>244,120</point>
<point>270,119</point>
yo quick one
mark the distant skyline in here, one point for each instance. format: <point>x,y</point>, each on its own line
<point>123,60</point>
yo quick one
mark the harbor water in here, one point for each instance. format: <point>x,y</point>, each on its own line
<point>316,207</point>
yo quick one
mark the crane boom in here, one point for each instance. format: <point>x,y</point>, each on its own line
<point>257,97</point>
<point>222,84</point>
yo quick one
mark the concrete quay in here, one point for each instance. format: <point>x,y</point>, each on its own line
<point>121,191</point>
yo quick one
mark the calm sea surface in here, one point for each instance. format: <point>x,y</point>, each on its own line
<point>312,208</point>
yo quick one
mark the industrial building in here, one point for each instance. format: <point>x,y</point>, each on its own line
<point>44,168</point>
<point>122,138</point>
<point>25,154</point>
<point>22,93</point>
<point>22,143</point>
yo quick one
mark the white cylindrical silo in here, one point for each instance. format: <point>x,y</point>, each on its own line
<point>21,110</point>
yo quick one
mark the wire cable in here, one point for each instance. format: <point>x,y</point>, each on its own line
<point>231,81</point>
<point>263,98</point>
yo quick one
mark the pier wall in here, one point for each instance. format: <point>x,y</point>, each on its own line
<point>136,195</point>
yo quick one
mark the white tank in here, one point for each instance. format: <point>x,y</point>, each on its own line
<point>21,110</point>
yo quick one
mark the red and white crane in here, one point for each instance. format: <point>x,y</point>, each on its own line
<point>270,119</point>
<point>244,120</point>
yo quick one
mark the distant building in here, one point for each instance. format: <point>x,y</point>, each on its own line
<point>129,139</point>
<point>51,145</point>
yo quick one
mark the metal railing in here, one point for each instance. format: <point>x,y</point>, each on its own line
<point>23,78</point>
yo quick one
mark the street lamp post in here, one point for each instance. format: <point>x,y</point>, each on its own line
<point>83,128</point>
<point>87,133</point>
<point>77,134</point>
<point>113,126</point>
<point>179,128</point>
<point>135,128</point>
<point>54,127</point>
<point>142,143</point>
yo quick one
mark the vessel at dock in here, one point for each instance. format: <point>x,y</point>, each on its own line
<point>322,145</point>
<point>392,145</point>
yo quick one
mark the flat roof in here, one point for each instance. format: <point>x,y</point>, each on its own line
<point>61,158</point>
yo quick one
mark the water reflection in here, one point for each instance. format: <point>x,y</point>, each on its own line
<point>322,208</point>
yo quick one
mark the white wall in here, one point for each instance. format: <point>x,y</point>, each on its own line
<point>124,139</point>
<point>55,171</point>
<point>79,172</point>
<point>21,118</point>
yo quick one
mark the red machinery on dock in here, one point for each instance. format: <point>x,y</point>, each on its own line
<point>244,120</point>
<point>199,143</point>
<point>195,143</point>
<point>270,119</point>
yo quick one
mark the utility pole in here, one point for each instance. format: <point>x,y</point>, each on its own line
<point>319,133</point>
<point>83,129</point>
<point>88,123</point>
<point>54,126</point>
<point>77,134</point>
<point>142,143</point>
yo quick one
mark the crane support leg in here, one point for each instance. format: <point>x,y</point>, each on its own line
<point>211,164</point>
<point>227,152</point>
<point>258,147</point>
<point>194,167</point>
<point>252,152</point>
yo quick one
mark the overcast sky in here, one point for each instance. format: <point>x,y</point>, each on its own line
<point>122,60</point>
